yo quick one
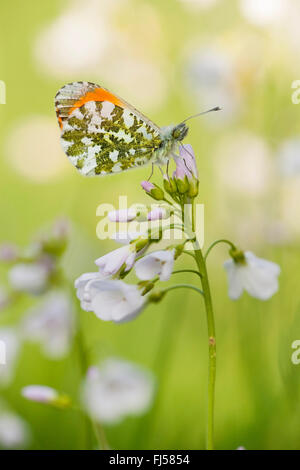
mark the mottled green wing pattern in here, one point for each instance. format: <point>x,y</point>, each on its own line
<point>101,137</point>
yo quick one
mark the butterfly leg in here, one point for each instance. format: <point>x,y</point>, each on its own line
<point>152,170</point>
<point>167,169</point>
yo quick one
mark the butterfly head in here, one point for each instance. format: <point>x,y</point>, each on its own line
<point>180,131</point>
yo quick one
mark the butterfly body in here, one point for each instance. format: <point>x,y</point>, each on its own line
<point>102,134</point>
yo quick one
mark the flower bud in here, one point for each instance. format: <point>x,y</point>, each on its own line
<point>156,296</point>
<point>158,213</point>
<point>182,185</point>
<point>237,255</point>
<point>153,190</point>
<point>146,286</point>
<point>193,188</point>
<point>46,395</point>
<point>140,243</point>
<point>170,185</point>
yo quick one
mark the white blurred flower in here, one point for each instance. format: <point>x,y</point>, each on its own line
<point>14,431</point>
<point>29,277</point>
<point>83,34</point>
<point>8,252</point>
<point>112,300</point>
<point>243,164</point>
<point>159,263</point>
<point>211,75</point>
<point>289,157</point>
<point>4,298</point>
<point>51,324</point>
<point>40,393</point>
<point>46,395</point>
<point>289,206</point>
<point>34,150</point>
<point>11,343</point>
<point>116,390</point>
<point>112,262</point>
<point>257,276</point>
<point>263,12</point>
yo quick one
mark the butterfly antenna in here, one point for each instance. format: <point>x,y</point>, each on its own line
<point>217,108</point>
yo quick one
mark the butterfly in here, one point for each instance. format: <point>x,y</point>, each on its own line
<point>103,134</point>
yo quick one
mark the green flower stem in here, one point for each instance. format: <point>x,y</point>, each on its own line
<point>97,428</point>
<point>101,437</point>
<point>200,261</point>
<point>183,286</point>
<point>223,240</point>
<point>186,271</point>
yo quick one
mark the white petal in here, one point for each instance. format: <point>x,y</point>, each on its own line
<point>158,263</point>
<point>147,268</point>
<point>235,287</point>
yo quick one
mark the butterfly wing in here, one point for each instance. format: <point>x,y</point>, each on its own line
<point>101,133</point>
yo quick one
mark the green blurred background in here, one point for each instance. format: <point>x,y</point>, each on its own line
<point>170,59</point>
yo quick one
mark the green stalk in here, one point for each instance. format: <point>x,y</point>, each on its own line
<point>97,427</point>
<point>200,261</point>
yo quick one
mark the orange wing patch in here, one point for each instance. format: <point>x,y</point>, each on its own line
<point>99,94</point>
<point>73,95</point>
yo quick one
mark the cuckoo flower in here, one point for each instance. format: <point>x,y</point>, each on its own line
<point>14,431</point>
<point>112,262</point>
<point>46,395</point>
<point>51,324</point>
<point>29,277</point>
<point>113,300</point>
<point>159,263</point>
<point>40,393</point>
<point>115,390</point>
<point>257,276</point>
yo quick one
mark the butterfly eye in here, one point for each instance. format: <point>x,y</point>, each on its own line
<point>180,132</point>
<point>176,133</point>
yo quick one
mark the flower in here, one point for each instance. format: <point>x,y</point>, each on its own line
<point>112,262</point>
<point>263,13</point>
<point>14,431</point>
<point>159,263</point>
<point>122,215</point>
<point>40,393</point>
<point>117,389</point>
<point>29,277</point>
<point>186,163</point>
<point>186,173</point>
<point>153,190</point>
<point>81,283</point>
<point>8,252</point>
<point>147,186</point>
<point>158,213</point>
<point>51,324</point>
<point>257,276</point>
<point>9,350</point>
<point>289,157</point>
<point>46,395</point>
<point>112,300</point>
